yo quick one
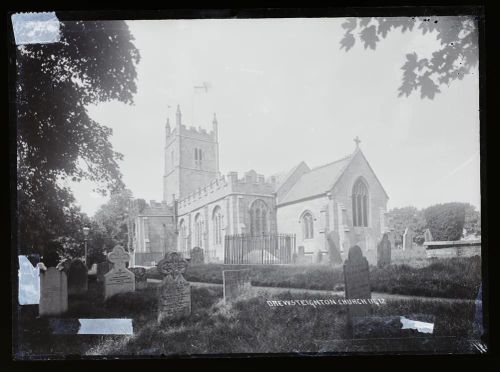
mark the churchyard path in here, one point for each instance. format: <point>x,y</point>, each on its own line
<point>298,291</point>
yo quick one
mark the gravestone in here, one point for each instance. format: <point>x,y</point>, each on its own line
<point>236,284</point>
<point>64,265</point>
<point>118,279</point>
<point>357,281</point>
<point>53,292</point>
<point>29,282</point>
<point>77,277</point>
<point>384,251</point>
<point>301,258</point>
<point>102,269</point>
<point>175,291</point>
<point>333,240</point>
<point>197,256</point>
<point>392,238</point>
<point>408,239</point>
<point>301,251</point>
<point>140,277</point>
<point>427,235</point>
<point>51,259</point>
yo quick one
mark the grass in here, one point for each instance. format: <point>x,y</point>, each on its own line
<point>449,278</point>
<point>247,326</point>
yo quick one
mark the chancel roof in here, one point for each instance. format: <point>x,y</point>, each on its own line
<point>317,181</point>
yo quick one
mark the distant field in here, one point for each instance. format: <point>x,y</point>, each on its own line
<point>457,277</point>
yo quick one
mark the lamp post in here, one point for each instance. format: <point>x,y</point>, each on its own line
<point>86,234</point>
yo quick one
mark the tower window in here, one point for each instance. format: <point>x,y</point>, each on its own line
<point>197,156</point>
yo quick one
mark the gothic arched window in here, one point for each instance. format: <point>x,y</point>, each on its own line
<point>360,204</point>
<point>307,222</point>
<point>217,225</point>
<point>183,236</point>
<point>198,231</point>
<point>258,218</point>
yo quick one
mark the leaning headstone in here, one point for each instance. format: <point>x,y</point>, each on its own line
<point>428,235</point>
<point>384,251</point>
<point>197,256</point>
<point>357,281</point>
<point>236,284</point>
<point>53,292</point>
<point>29,282</point>
<point>175,291</point>
<point>102,269</point>
<point>118,279</point>
<point>140,277</point>
<point>77,277</point>
<point>333,240</point>
<point>408,239</point>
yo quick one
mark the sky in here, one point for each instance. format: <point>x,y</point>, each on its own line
<point>285,92</point>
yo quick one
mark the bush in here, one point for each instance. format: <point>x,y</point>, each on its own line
<point>457,277</point>
<point>446,221</point>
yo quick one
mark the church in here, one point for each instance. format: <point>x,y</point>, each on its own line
<point>342,199</point>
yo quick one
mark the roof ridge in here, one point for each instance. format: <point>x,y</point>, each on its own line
<point>333,162</point>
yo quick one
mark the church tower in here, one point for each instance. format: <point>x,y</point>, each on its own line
<point>191,158</point>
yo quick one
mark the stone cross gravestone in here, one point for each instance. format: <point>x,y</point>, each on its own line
<point>197,256</point>
<point>384,251</point>
<point>333,240</point>
<point>53,292</point>
<point>77,277</point>
<point>140,277</point>
<point>408,239</point>
<point>427,235</point>
<point>118,279</point>
<point>236,284</point>
<point>175,291</point>
<point>357,281</point>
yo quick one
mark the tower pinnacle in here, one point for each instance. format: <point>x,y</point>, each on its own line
<point>178,116</point>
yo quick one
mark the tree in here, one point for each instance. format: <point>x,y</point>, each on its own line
<point>112,219</point>
<point>446,221</point>
<point>456,57</point>
<point>401,218</point>
<point>56,138</point>
<point>472,224</point>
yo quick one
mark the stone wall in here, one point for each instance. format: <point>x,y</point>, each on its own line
<point>365,237</point>
<point>289,222</point>
<point>446,249</point>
